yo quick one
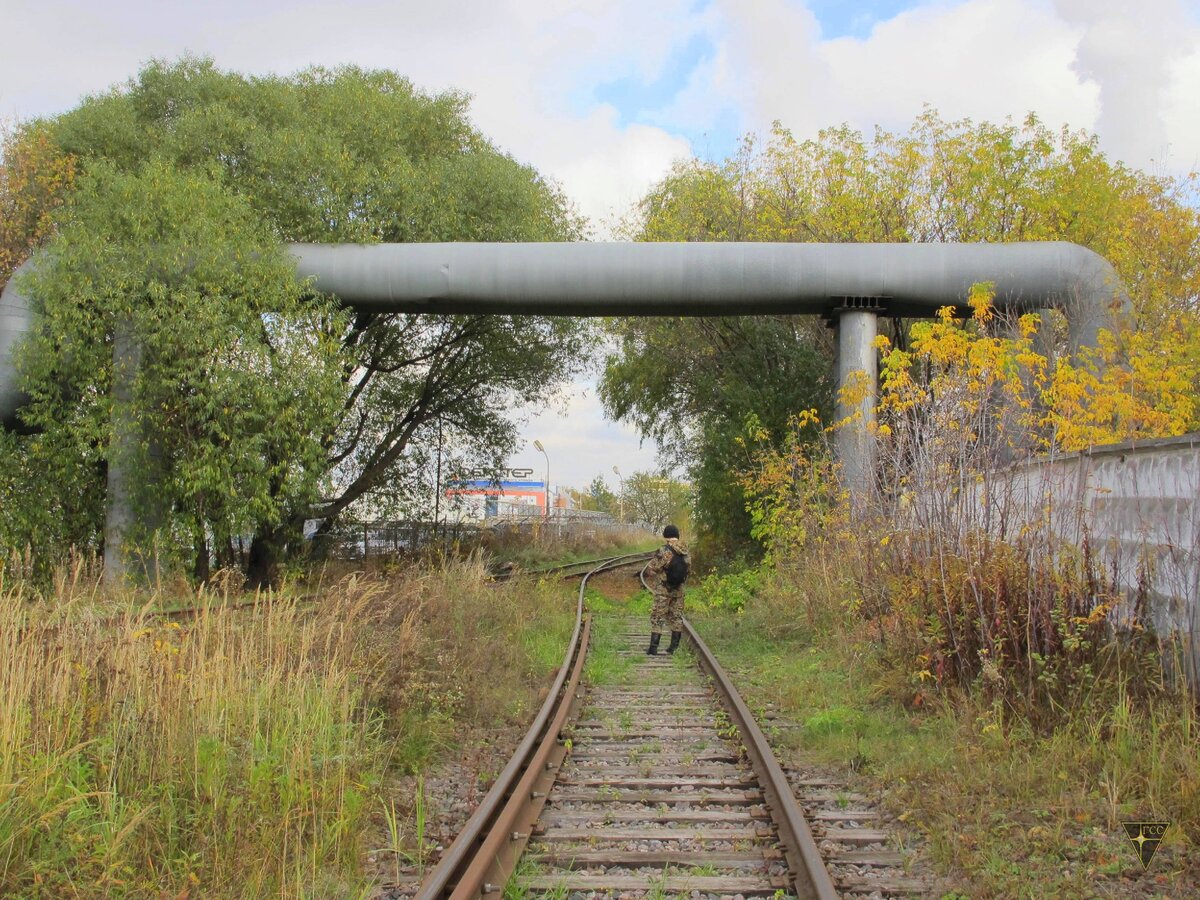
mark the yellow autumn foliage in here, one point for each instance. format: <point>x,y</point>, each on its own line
<point>1147,389</point>
<point>980,377</point>
<point>35,178</point>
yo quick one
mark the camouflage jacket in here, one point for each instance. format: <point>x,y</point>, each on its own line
<point>656,571</point>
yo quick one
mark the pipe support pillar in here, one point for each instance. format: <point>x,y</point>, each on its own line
<point>857,384</point>
<point>133,513</point>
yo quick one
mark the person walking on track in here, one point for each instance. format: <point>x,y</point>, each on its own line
<point>666,575</point>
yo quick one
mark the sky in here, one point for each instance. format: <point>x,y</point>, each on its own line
<point>603,95</point>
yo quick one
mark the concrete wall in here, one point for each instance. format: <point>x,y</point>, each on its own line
<point>1138,504</point>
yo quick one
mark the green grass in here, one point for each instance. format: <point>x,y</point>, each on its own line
<point>149,757</point>
<point>604,666</point>
<point>1005,810</point>
<point>546,646</point>
<point>526,868</point>
<point>635,606</point>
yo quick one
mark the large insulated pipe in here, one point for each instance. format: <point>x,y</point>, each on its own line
<point>680,279</point>
<point>16,319</point>
<point>726,279</point>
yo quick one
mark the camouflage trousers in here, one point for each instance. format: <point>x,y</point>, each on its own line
<point>667,612</point>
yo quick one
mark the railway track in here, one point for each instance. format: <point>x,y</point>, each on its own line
<point>660,784</point>
<point>579,569</point>
<point>656,795</point>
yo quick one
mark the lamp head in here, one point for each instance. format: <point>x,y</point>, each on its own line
<point>538,444</point>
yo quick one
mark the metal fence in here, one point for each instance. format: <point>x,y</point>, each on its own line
<point>360,540</point>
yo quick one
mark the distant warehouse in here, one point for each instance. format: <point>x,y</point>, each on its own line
<point>515,495</point>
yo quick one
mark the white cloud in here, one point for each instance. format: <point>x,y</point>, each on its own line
<point>1179,111</point>
<point>711,89</point>
<point>524,63</point>
<point>1130,52</point>
<point>606,168</point>
<point>984,59</point>
<point>580,444</point>
<point>1130,73</point>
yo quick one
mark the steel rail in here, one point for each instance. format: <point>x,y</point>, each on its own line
<point>811,879</point>
<point>585,564</point>
<point>486,851</point>
<point>620,562</point>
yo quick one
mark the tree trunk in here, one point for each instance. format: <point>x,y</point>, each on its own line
<point>203,570</point>
<point>266,552</point>
<point>225,553</point>
<point>268,549</point>
<point>135,512</point>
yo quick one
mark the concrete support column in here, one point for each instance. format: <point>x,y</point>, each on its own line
<point>132,515</point>
<point>122,457</point>
<point>858,371</point>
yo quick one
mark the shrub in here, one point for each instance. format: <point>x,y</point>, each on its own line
<point>958,584</point>
<point>731,591</point>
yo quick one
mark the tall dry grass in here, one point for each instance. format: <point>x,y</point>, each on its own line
<point>240,754</point>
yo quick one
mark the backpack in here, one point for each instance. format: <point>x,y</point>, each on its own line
<point>676,572</point>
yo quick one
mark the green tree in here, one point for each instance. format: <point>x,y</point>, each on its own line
<point>175,270</point>
<point>357,156</point>
<point>655,498</point>
<point>940,181</point>
<point>945,181</point>
<point>691,383</point>
<point>599,497</point>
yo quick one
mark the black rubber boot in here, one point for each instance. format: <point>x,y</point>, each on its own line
<point>655,637</point>
<point>675,636</point>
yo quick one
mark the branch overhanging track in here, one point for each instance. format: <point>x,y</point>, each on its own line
<point>687,798</point>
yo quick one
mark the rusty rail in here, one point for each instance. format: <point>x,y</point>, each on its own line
<point>486,851</point>
<point>587,567</point>
<point>811,878</point>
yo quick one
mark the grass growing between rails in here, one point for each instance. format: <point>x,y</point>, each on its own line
<point>614,599</point>
<point>1010,807</point>
<point>244,754</point>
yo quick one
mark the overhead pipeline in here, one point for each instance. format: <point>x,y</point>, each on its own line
<point>680,279</point>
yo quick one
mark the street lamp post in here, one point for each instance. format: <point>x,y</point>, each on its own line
<point>437,485</point>
<point>621,494</point>
<point>539,446</point>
